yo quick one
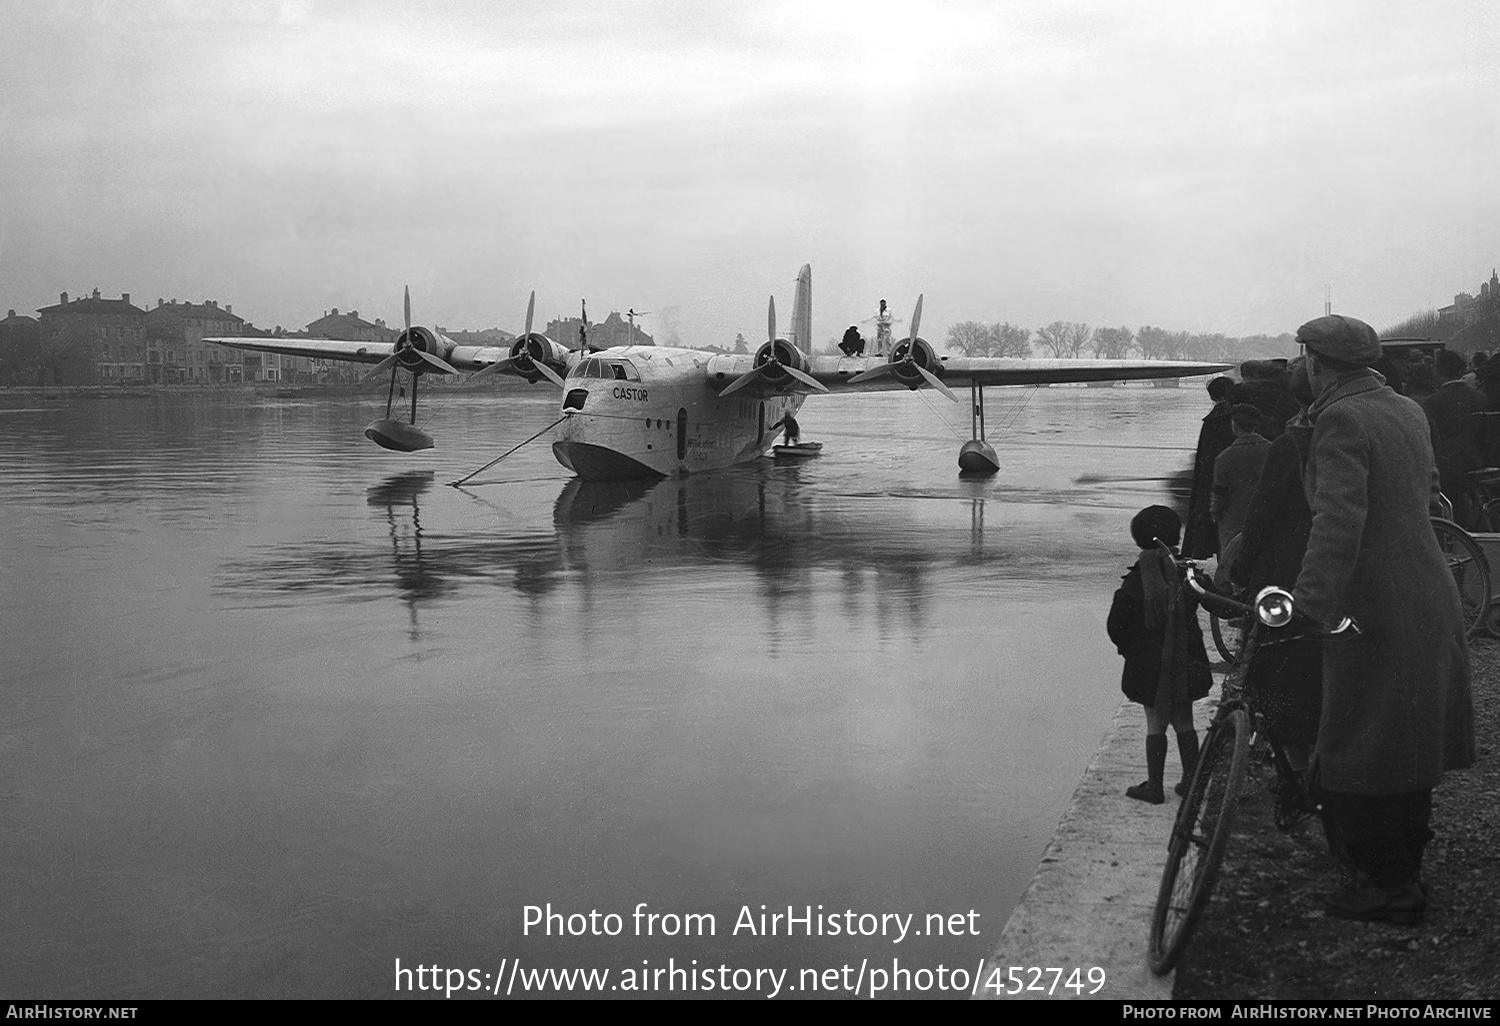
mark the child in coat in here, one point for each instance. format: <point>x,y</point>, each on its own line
<point>1154,625</point>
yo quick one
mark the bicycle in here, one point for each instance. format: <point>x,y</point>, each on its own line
<point>1204,820</point>
<point>1228,635</point>
<point>1466,562</point>
<point>1470,569</point>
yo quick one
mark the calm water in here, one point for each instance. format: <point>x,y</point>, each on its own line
<point>280,707</point>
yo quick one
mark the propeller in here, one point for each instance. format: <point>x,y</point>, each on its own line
<point>405,345</point>
<point>772,364</point>
<point>909,362</point>
<point>521,357</point>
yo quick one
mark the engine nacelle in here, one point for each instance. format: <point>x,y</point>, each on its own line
<point>908,355</point>
<point>529,350</point>
<point>417,338</point>
<point>772,357</point>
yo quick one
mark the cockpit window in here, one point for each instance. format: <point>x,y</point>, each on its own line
<point>610,370</point>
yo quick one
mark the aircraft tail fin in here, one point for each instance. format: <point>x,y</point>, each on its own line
<point>802,310</point>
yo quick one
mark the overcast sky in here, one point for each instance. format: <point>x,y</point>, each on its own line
<point>1199,166</point>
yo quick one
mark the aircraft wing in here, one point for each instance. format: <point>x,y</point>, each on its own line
<point>836,372</point>
<point>316,348</point>
<point>460,357</point>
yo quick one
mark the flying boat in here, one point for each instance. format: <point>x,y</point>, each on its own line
<point>657,411</point>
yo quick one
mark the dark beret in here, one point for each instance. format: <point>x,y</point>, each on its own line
<point>1341,338</point>
<point>1155,522</point>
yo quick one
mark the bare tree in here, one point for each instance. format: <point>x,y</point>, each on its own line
<point>1006,339</point>
<point>970,338</point>
<point>1077,336</point>
<point>1054,338</point>
<point>1421,325</point>
<point>1175,344</point>
<point>1152,341</point>
<point>1112,343</point>
<point>1217,347</point>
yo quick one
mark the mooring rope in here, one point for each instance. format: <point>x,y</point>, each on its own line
<point>497,459</point>
<point>1009,416</point>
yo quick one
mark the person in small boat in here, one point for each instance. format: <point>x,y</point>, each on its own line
<point>793,435</point>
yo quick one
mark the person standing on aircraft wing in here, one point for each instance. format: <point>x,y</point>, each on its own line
<point>883,331</point>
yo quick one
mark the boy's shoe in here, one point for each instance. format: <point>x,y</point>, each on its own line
<point>1147,792</point>
<point>1361,899</point>
<point>1182,786</point>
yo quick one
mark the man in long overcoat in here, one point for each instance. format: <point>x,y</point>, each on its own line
<point>1201,537</point>
<point>1396,707</point>
<point>1236,472</point>
<point>1449,412</point>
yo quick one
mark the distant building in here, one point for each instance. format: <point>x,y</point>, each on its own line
<point>564,331</point>
<point>350,327</point>
<point>20,350</point>
<point>93,340</point>
<point>176,352</point>
<point>1472,323</point>
<point>1467,309</point>
<point>481,337</point>
<point>347,327</point>
<point>616,331</point>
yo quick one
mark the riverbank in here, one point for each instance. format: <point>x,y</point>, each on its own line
<point>1265,934</point>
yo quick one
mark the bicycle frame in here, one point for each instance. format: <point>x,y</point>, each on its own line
<point>1201,829</point>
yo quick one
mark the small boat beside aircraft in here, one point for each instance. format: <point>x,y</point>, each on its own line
<point>798,451</point>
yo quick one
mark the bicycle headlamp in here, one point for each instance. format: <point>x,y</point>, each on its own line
<point>1274,607</point>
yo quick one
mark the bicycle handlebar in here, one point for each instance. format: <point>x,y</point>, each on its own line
<point>1272,607</point>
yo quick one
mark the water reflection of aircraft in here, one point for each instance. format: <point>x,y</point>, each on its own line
<point>414,579</point>
<point>605,533</point>
<point>654,411</point>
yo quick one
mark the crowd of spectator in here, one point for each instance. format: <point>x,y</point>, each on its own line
<point>1320,476</point>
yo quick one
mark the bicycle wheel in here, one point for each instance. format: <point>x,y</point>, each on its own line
<point>1471,571</point>
<point>1199,837</point>
<point>1229,636</point>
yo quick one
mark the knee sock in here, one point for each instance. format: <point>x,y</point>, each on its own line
<point>1187,750</point>
<point>1156,758</point>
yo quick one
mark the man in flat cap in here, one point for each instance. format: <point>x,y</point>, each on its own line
<point>1396,706</point>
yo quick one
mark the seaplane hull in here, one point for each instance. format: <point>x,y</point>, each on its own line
<point>613,431</point>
